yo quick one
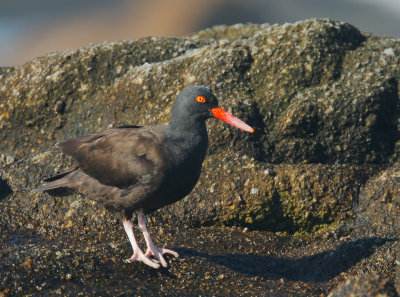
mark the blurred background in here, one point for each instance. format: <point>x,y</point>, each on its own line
<point>31,28</point>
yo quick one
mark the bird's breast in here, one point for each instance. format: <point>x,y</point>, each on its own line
<point>184,167</point>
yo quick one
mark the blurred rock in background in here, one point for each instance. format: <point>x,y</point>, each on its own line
<point>31,29</point>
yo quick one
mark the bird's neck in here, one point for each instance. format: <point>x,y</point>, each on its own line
<point>187,125</point>
<point>189,136</point>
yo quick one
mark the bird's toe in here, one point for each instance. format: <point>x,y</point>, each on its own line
<point>139,256</point>
<point>171,252</point>
<point>158,253</point>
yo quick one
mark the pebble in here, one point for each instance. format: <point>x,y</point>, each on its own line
<point>9,160</point>
<point>388,52</point>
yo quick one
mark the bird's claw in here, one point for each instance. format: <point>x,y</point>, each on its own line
<point>139,256</point>
<point>158,253</point>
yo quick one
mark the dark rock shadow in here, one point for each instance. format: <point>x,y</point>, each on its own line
<point>5,189</point>
<point>320,267</point>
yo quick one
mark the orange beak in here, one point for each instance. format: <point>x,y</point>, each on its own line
<point>221,114</point>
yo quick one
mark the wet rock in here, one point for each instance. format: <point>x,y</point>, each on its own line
<point>224,261</point>
<point>370,284</point>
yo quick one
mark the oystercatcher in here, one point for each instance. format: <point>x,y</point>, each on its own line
<point>139,169</point>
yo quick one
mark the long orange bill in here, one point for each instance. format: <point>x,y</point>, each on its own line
<point>221,114</point>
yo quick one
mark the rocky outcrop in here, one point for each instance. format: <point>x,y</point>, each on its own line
<point>365,285</point>
<point>323,97</point>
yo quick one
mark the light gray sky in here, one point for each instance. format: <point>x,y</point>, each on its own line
<point>390,6</point>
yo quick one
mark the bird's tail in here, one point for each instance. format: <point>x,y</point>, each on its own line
<point>57,185</point>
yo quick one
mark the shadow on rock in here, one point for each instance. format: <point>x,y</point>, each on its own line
<point>320,267</point>
<point>5,189</point>
<point>327,265</point>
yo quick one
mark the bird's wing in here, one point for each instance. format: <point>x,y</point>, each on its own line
<point>118,157</point>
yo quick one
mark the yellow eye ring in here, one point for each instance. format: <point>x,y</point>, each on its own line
<point>200,99</point>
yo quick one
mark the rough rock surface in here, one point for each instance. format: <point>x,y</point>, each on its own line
<point>320,171</point>
<point>368,285</point>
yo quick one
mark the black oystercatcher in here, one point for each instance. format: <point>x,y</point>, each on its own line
<point>140,169</point>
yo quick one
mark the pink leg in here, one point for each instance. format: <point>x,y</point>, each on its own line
<point>153,250</point>
<point>138,255</point>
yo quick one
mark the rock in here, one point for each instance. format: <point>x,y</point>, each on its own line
<point>212,260</point>
<point>311,89</point>
<point>370,284</point>
<point>322,164</point>
<point>290,198</point>
<point>378,209</point>
<point>297,84</point>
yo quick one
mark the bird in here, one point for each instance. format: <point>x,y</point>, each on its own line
<point>135,170</point>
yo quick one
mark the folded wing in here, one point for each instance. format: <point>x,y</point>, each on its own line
<point>118,157</point>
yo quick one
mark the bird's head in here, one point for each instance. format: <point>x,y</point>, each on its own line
<point>200,103</point>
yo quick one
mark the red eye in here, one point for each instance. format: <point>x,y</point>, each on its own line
<point>200,99</point>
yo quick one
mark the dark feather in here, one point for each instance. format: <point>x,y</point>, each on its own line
<point>53,178</point>
<point>60,192</point>
<point>117,157</point>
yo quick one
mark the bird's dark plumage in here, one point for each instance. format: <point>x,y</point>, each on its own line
<point>140,169</point>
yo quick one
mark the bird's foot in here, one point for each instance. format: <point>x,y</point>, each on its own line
<point>158,253</point>
<point>138,255</point>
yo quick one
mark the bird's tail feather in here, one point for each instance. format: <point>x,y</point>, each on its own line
<point>50,186</point>
<point>56,185</point>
